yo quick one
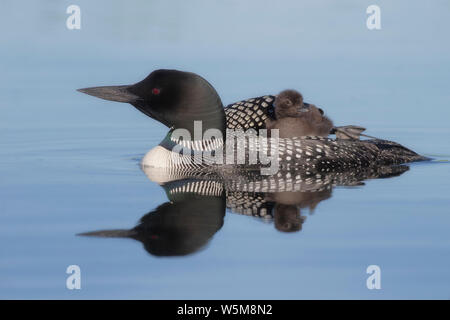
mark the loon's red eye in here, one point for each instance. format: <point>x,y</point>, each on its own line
<point>156,91</point>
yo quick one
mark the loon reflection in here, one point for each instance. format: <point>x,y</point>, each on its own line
<point>197,204</point>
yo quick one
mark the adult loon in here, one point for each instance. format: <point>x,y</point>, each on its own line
<point>180,99</point>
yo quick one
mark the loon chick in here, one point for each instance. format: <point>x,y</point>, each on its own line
<point>288,103</point>
<point>293,119</point>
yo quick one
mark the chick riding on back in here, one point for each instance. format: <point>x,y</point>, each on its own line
<point>296,119</point>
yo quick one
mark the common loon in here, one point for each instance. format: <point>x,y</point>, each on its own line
<point>293,119</point>
<point>180,99</point>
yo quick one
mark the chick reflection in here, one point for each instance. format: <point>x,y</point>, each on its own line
<point>283,208</point>
<point>288,208</point>
<point>288,218</point>
<point>176,228</point>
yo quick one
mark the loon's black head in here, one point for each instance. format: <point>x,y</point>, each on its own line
<point>174,98</point>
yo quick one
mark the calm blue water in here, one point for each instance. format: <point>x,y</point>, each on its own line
<point>69,163</point>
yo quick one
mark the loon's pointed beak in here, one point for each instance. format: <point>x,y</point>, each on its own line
<point>112,93</point>
<point>119,233</point>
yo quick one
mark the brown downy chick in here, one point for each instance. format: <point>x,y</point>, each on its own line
<point>294,119</point>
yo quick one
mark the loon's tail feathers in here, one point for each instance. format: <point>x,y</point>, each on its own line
<point>391,152</point>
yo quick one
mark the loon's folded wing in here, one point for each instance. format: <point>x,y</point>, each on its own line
<point>251,113</point>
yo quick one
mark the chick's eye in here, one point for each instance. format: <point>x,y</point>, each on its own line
<point>156,91</point>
